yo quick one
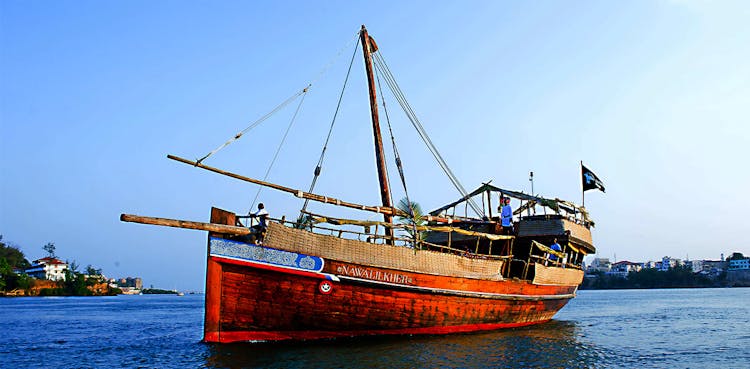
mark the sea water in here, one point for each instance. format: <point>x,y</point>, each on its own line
<point>680,328</point>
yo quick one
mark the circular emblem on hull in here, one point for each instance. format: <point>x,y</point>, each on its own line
<point>325,287</point>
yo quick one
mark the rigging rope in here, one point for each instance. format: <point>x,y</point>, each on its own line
<point>387,175</point>
<point>275,155</point>
<point>393,142</point>
<point>256,123</point>
<point>335,58</point>
<point>319,166</point>
<point>398,161</point>
<point>283,104</point>
<point>398,94</point>
<point>395,151</point>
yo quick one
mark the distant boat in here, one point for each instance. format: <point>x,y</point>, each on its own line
<point>319,278</point>
<point>180,294</point>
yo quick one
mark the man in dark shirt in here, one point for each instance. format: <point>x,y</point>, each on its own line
<point>262,216</point>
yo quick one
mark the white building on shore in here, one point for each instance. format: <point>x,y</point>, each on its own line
<point>667,263</point>
<point>49,268</point>
<point>623,268</point>
<point>599,264</point>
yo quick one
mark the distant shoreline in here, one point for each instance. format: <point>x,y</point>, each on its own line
<point>657,288</point>
<point>5,295</point>
<point>52,288</point>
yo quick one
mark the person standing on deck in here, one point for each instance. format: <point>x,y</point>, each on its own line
<point>555,246</point>
<point>261,215</point>
<point>506,216</point>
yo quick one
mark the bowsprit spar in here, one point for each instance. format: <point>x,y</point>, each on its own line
<point>439,272</point>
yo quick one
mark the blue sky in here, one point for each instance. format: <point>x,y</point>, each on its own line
<point>654,96</point>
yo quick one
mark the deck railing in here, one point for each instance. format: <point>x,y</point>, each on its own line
<point>375,237</point>
<point>368,234</point>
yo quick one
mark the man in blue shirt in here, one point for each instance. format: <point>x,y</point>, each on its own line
<point>506,215</point>
<point>555,246</point>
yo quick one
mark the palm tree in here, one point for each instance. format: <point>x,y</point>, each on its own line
<point>416,219</point>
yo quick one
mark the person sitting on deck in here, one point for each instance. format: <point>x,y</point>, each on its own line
<point>555,246</point>
<point>506,216</point>
<point>262,216</point>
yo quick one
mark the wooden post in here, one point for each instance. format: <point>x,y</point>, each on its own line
<point>583,191</point>
<point>510,260</point>
<point>489,203</point>
<point>368,47</point>
<point>214,273</point>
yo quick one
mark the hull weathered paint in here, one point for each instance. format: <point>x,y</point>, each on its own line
<point>269,305</point>
<point>259,293</point>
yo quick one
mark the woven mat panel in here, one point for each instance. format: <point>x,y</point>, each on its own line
<point>545,275</point>
<point>579,231</point>
<point>382,256</point>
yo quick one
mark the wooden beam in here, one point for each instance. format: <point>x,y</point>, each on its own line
<point>211,227</point>
<point>305,195</point>
<point>311,196</point>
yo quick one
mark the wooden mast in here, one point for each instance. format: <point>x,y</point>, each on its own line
<point>369,46</point>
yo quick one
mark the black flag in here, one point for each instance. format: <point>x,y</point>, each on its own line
<point>590,180</point>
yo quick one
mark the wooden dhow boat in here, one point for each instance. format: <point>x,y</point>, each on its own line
<point>322,277</point>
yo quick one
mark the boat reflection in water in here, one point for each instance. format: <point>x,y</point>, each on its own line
<point>555,344</point>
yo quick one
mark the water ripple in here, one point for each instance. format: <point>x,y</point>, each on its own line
<point>599,329</point>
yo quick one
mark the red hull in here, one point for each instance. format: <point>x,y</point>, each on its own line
<point>256,301</point>
<point>257,304</point>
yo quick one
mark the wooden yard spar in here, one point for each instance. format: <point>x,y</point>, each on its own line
<point>388,211</point>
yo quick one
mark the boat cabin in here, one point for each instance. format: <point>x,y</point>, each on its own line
<point>526,242</point>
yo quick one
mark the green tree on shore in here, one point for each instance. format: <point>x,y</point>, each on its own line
<point>736,256</point>
<point>13,255</point>
<point>4,269</point>
<point>50,248</point>
<point>677,277</point>
<point>11,258</point>
<point>9,280</point>
<point>75,283</point>
<point>93,271</point>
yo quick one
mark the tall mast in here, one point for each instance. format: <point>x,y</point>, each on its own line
<point>369,46</point>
